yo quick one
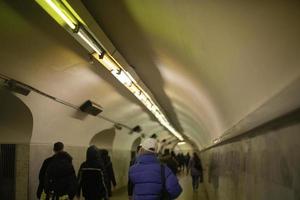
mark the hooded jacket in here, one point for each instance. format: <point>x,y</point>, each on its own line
<point>146,178</point>
<point>92,176</point>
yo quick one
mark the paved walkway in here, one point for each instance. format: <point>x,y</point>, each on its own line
<point>187,194</point>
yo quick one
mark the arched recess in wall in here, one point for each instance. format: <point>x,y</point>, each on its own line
<point>134,145</point>
<point>104,139</point>
<point>16,119</point>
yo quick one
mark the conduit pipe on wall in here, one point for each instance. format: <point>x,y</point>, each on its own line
<point>65,103</point>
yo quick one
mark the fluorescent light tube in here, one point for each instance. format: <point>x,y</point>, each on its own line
<point>181,143</point>
<point>109,63</point>
<point>122,77</point>
<point>133,88</point>
<point>89,41</point>
<point>61,14</point>
<point>141,96</point>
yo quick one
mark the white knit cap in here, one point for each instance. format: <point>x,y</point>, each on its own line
<point>150,144</point>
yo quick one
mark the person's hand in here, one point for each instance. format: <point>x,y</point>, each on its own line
<point>130,197</point>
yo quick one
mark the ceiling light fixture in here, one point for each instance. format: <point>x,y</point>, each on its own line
<point>90,42</point>
<point>62,13</point>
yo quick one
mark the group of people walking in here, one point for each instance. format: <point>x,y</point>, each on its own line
<point>58,180</point>
<point>150,177</point>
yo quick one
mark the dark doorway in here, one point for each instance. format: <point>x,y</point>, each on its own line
<point>7,171</point>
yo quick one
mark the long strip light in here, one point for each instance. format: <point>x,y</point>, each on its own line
<point>88,40</point>
<point>61,13</point>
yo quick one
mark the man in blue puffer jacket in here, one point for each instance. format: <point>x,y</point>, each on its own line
<point>146,175</point>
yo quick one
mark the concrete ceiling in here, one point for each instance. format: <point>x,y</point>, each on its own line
<point>211,65</point>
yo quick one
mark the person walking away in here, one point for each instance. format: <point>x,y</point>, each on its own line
<point>170,161</point>
<point>152,180</point>
<point>57,147</point>
<point>91,177</point>
<point>111,180</point>
<point>187,161</point>
<point>60,178</point>
<point>195,167</point>
<point>132,162</point>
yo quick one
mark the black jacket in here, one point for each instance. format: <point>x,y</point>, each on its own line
<point>92,176</point>
<point>42,176</point>
<point>60,176</point>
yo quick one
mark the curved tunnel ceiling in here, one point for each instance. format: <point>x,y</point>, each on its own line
<point>209,65</point>
<point>221,61</point>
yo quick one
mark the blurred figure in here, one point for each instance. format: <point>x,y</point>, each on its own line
<point>132,162</point>
<point>195,167</point>
<point>180,160</point>
<point>187,161</point>
<point>152,180</point>
<point>60,178</point>
<point>170,161</point>
<point>91,177</point>
<point>111,180</point>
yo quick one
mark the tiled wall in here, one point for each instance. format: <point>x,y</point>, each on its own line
<point>22,169</point>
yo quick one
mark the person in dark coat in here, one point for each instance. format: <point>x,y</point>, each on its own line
<point>60,178</point>
<point>111,180</point>
<point>195,167</point>
<point>187,161</point>
<point>91,176</point>
<point>57,147</point>
<point>150,179</point>
<point>170,161</point>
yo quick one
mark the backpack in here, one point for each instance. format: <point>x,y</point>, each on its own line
<point>60,179</point>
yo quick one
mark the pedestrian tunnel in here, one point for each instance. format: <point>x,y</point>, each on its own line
<point>217,78</point>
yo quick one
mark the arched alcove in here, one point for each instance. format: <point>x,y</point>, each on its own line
<point>136,143</point>
<point>134,146</point>
<point>104,139</point>
<point>16,119</point>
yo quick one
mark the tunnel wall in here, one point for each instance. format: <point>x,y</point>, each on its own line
<point>264,164</point>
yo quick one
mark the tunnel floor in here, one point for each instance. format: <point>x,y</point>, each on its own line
<point>187,194</point>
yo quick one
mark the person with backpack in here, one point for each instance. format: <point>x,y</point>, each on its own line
<point>92,176</point>
<point>152,180</point>
<point>196,170</point>
<point>58,147</point>
<point>60,178</point>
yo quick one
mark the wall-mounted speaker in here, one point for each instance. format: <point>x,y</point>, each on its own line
<point>91,108</point>
<point>16,87</point>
